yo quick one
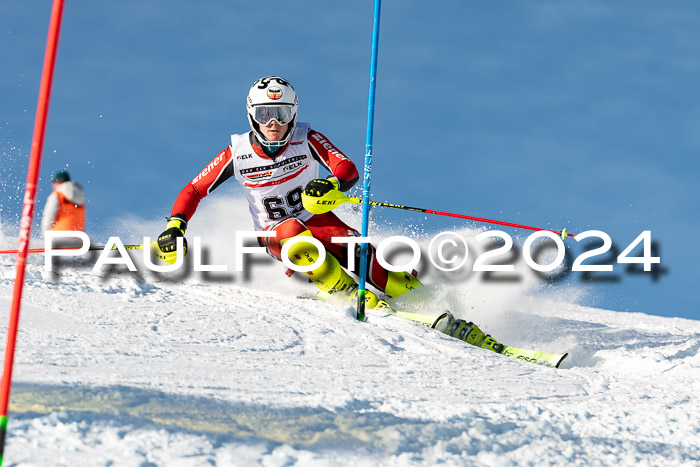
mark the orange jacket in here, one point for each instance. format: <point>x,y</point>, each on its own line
<point>70,216</point>
<point>65,208</point>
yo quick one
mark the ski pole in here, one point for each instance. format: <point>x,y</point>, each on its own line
<point>336,198</point>
<point>361,289</point>
<point>92,248</point>
<point>28,206</point>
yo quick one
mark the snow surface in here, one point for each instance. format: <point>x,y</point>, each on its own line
<point>118,368</point>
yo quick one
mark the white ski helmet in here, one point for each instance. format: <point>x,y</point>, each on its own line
<point>272,98</point>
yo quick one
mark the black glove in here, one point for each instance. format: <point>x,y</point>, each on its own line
<point>167,241</point>
<point>320,186</point>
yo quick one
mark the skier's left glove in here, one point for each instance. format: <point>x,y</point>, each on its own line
<point>320,186</point>
<point>165,248</point>
<point>322,195</point>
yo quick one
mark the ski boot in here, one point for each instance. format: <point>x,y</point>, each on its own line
<point>492,344</point>
<point>467,332</point>
<point>329,277</point>
<point>332,280</point>
<point>399,283</point>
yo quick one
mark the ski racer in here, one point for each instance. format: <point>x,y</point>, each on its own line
<point>274,162</point>
<point>277,160</point>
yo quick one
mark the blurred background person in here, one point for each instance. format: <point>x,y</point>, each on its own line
<point>65,206</point>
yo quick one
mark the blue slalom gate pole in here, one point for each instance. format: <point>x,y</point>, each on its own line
<point>368,164</point>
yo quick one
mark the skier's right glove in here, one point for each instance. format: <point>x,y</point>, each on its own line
<point>167,241</point>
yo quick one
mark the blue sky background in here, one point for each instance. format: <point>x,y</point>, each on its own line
<point>582,114</point>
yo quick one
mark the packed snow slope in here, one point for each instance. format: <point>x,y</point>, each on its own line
<point>189,369</point>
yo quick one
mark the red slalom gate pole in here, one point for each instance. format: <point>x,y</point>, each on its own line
<point>30,250</point>
<point>335,198</point>
<point>562,234</point>
<point>92,248</point>
<point>42,112</point>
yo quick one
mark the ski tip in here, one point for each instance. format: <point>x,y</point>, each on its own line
<point>561,360</point>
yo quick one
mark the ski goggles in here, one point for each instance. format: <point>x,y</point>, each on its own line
<point>264,114</point>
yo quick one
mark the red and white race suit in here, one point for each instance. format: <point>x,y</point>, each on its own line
<point>272,187</point>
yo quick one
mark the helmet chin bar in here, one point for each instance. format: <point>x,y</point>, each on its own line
<point>272,144</point>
